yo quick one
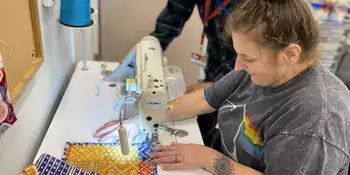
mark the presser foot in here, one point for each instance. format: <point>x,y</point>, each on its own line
<point>153,139</point>
<point>173,131</point>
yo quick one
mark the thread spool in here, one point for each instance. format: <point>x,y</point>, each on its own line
<point>75,13</point>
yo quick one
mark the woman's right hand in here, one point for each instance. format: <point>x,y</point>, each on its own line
<point>110,129</point>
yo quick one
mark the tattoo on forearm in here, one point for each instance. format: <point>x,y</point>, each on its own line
<point>222,166</point>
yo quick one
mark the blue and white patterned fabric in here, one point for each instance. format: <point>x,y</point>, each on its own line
<point>48,165</point>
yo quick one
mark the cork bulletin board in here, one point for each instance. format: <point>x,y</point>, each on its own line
<point>20,43</point>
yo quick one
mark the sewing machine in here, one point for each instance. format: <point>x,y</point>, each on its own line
<point>82,110</point>
<point>85,107</point>
<point>147,80</point>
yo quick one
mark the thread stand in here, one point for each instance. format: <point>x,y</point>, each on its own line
<point>82,30</point>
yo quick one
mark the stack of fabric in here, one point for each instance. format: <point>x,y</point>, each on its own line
<point>96,159</point>
<point>108,159</point>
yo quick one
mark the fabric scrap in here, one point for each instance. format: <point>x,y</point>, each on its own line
<point>7,112</point>
<point>107,158</point>
<point>49,165</point>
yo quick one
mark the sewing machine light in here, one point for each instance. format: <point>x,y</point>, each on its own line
<point>123,139</point>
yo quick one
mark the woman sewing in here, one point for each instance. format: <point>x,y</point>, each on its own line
<point>279,112</point>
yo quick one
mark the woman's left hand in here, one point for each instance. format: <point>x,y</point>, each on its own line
<point>181,156</point>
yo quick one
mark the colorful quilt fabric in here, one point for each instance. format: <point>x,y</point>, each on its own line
<point>7,114</point>
<point>48,165</point>
<point>107,158</point>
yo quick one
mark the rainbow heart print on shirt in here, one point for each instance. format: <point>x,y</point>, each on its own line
<point>107,158</point>
<point>251,137</point>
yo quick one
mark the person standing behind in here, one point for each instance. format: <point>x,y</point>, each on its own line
<point>220,55</point>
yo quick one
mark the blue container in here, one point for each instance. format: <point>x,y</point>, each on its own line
<point>317,6</point>
<point>75,13</point>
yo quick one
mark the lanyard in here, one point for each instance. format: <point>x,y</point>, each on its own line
<point>199,59</point>
<point>208,16</point>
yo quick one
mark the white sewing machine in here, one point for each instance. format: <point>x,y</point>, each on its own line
<point>151,82</point>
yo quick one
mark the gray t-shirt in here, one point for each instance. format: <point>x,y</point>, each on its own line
<point>298,128</point>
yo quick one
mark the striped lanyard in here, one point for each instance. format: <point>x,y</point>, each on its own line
<point>208,16</point>
<point>217,11</point>
<point>199,59</point>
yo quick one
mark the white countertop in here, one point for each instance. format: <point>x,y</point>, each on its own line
<point>81,112</point>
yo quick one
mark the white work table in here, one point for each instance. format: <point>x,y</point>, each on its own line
<point>81,112</point>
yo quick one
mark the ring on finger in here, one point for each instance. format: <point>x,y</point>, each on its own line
<point>177,160</point>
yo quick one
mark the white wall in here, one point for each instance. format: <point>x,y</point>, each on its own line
<point>36,106</point>
<point>124,23</point>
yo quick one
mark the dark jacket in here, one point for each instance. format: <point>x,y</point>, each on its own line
<point>220,52</point>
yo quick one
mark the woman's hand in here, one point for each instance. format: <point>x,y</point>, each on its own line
<point>192,156</point>
<point>110,129</point>
<point>194,87</point>
<point>181,156</point>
